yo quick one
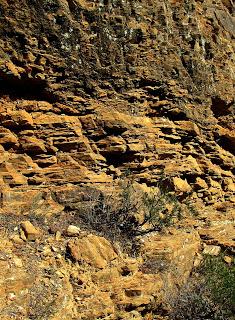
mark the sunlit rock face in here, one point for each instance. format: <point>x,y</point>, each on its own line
<point>94,91</point>
<point>91,89</point>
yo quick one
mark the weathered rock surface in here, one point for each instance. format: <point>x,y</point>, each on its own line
<point>31,233</point>
<point>73,230</point>
<point>91,91</point>
<point>94,250</point>
<point>100,282</point>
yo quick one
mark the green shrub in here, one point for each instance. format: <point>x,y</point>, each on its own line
<point>209,296</point>
<point>161,209</point>
<point>220,280</point>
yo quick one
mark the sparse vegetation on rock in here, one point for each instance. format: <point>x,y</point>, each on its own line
<point>208,294</point>
<point>130,213</point>
<point>91,90</point>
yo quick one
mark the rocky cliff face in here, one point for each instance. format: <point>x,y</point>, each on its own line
<point>94,90</point>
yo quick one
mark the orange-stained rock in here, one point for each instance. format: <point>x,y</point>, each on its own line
<point>26,201</point>
<point>220,233</point>
<point>172,253</point>
<point>91,93</point>
<point>32,144</point>
<point>189,127</point>
<point>94,250</point>
<point>181,185</point>
<point>16,119</point>
<point>112,145</point>
<point>30,231</point>
<point>7,137</point>
<point>10,175</point>
<point>200,183</point>
<point>13,69</point>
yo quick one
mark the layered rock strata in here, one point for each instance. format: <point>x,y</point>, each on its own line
<point>91,91</point>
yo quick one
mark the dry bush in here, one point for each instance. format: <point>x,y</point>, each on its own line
<point>129,214</point>
<point>193,302</point>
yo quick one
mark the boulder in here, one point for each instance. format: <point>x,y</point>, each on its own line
<point>72,231</point>
<point>30,231</point>
<point>181,185</point>
<point>93,250</point>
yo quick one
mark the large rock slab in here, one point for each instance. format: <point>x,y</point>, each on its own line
<point>94,250</point>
